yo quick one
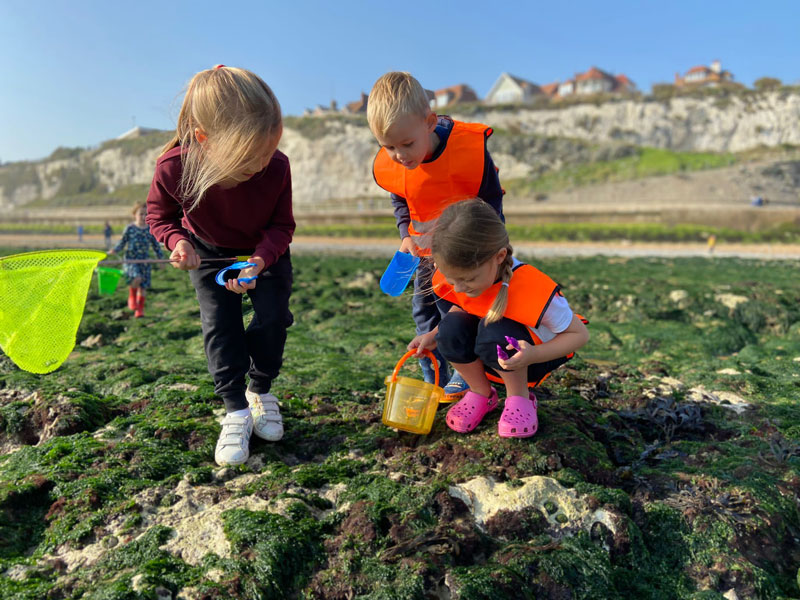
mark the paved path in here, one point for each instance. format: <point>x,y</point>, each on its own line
<point>385,247</point>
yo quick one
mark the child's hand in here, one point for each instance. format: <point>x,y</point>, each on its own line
<point>526,355</point>
<point>408,246</point>
<point>425,341</point>
<point>238,287</point>
<point>186,256</point>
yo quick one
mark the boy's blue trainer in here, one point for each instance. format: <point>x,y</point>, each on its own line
<point>455,388</point>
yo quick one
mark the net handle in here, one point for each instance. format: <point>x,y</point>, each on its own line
<point>155,261</point>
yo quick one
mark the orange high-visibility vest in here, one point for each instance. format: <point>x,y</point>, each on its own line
<point>529,294</point>
<point>455,175</point>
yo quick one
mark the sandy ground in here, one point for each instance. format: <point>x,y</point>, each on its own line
<point>386,247</point>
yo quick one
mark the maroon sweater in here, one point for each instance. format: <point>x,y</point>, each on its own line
<point>256,214</point>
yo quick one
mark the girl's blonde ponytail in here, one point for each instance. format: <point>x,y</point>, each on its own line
<point>501,300</point>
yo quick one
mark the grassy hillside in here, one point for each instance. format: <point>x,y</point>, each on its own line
<point>643,162</point>
<point>101,455</point>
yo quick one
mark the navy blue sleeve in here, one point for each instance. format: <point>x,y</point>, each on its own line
<point>443,305</point>
<point>490,191</point>
<point>401,215</point>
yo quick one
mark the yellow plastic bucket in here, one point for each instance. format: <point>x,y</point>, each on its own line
<point>410,404</point>
<point>107,279</point>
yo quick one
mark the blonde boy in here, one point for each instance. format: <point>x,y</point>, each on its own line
<point>427,162</point>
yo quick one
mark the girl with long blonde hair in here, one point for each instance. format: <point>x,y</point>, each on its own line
<point>222,189</point>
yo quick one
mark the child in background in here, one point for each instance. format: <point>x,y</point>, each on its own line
<point>506,321</point>
<point>107,231</point>
<point>427,162</point>
<point>222,189</point>
<point>138,239</point>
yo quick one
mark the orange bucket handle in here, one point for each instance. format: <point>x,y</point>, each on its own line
<point>411,353</point>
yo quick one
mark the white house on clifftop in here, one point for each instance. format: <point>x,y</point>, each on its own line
<point>512,90</point>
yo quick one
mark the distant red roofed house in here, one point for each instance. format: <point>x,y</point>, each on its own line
<point>455,94</point>
<point>624,85</point>
<point>704,76</point>
<point>566,88</point>
<point>358,106</point>
<point>320,111</point>
<point>512,90</point>
<point>550,89</point>
<point>597,81</point>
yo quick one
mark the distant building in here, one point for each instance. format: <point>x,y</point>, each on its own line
<point>624,85</point>
<point>454,94</point>
<point>550,89</point>
<point>702,76</point>
<point>358,106</point>
<point>320,111</point>
<point>596,81</point>
<point>566,88</point>
<point>509,89</point>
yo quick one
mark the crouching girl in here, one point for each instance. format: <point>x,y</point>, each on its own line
<point>507,321</point>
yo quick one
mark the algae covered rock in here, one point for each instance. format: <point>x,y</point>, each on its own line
<point>564,510</point>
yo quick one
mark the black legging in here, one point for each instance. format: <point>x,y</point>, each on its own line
<point>232,350</point>
<point>464,338</point>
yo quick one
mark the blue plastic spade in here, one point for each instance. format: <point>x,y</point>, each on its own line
<point>237,265</point>
<point>399,272</point>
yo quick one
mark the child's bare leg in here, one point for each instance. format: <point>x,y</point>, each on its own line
<point>516,382</point>
<point>137,282</point>
<point>475,375</point>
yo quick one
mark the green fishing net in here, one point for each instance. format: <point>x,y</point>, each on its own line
<point>42,296</point>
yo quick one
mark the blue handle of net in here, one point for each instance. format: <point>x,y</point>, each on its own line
<point>237,265</point>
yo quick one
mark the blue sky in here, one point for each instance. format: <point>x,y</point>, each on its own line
<point>76,73</point>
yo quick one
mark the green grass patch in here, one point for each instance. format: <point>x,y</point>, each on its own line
<point>646,162</point>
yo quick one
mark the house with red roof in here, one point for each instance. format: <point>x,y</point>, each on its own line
<point>566,88</point>
<point>593,81</point>
<point>550,89</point>
<point>455,94</point>
<point>509,89</point>
<point>701,76</point>
<point>597,81</point>
<point>357,106</point>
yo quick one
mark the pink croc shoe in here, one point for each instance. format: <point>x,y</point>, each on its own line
<point>465,414</point>
<point>519,418</point>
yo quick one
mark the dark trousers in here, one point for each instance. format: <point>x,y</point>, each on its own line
<point>232,350</point>
<point>427,314</point>
<point>463,338</point>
